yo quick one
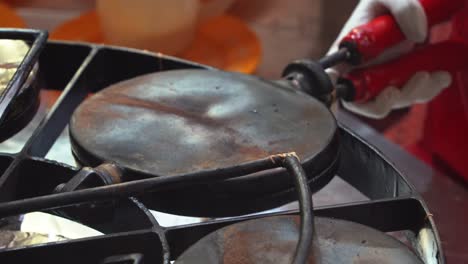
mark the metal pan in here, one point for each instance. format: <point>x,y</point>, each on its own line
<point>180,121</point>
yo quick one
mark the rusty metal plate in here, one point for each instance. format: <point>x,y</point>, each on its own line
<point>183,121</point>
<point>188,120</point>
<point>273,240</point>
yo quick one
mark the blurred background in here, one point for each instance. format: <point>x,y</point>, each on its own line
<point>283,30</point>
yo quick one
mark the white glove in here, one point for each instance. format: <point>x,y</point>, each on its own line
<point>423,86</point>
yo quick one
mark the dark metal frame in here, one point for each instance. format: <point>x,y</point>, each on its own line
<point>131,231</point>
<point>17,104</point>
<point>38,39</point>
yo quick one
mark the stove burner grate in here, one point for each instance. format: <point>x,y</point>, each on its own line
<point>19,100</point>
<point>130,231</point>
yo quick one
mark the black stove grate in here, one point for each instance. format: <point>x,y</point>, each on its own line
<point>38,40</point>
<point>132,233</point>
<point>18,100</point>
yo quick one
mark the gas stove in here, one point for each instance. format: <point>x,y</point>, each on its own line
<point>116,194</point>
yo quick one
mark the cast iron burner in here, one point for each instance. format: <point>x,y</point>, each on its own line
<point>114,198</point>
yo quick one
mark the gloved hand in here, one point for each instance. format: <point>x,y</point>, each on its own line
<point>423,86</point>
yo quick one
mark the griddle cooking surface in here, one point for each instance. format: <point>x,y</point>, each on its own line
<point>189,120</point>
<point>274,239</point>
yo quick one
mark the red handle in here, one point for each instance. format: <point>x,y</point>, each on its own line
<point>446,56</point>
<point>371,39</point>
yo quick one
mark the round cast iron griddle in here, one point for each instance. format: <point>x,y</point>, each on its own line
<point>183,121</point>
<point>274,239</point>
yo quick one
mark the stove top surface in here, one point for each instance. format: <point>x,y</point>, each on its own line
<point>380,191</point>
